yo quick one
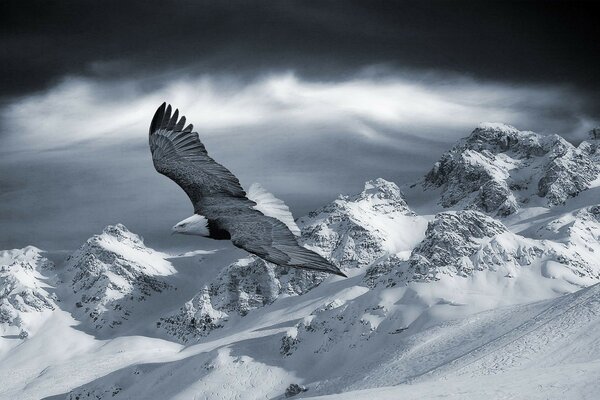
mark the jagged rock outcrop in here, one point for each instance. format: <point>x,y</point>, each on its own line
<point>449,241</point>
<point>567,172</point>
<point>251,283</point>
<point>592,146</point>
<point>24,292</point>
<point>294,389</point>
<point>111,272</point>
<point>462,242</point>
<point>197,318</point>
<point>498,168</point>
<point>245,285</point>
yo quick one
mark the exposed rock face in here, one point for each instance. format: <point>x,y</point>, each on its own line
<point>294,389</point>
<point>567,172</point>
<point>450,239</point>
<point>373,275</point>
<point>353,231</point>
<point>23,291</point>
<point>245,285</point>
<point>498,168</point>
<point>111,272</point>
<point>251,283</point>
<point>197,318</point>
<point>460,243</point>
<point>592,146</point>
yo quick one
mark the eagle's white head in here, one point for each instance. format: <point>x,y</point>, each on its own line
<point>194,225</point>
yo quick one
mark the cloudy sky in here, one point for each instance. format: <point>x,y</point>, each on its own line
<point>310,98</point>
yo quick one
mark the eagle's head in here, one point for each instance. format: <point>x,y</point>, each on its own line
<point>194,225</point>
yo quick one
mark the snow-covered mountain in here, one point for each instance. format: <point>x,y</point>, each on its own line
<point>25,292</point>
<point>356,230</point>
<point>498,169</point>
<point>486,270</point>
<point>112,272</point>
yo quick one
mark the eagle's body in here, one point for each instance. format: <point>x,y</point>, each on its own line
<point>261,225</point>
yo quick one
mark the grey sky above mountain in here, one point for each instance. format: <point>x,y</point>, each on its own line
<point>309,98</point>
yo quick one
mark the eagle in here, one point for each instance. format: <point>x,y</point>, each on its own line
<point>255,221</point>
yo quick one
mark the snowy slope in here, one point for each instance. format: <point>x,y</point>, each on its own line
<point>481,280</point>
<point>545,350</point>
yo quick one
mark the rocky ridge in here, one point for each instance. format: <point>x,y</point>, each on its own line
<point>24,291</point>
<point>111,272</point>
<point>499,169</point>
<point>241,287</point>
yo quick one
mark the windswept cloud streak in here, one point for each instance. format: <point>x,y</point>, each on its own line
<point>79,160</point>
<point>79,109</point>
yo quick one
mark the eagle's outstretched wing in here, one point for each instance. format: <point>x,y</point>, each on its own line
<point>271,240</point>
<point>178,153</point>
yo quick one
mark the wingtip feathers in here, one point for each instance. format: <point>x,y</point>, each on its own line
<point>158,115</point>
<point>165,118</point>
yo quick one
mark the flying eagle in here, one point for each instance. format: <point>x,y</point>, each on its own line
<point>255,221</point>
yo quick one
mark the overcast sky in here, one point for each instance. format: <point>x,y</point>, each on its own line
<point>309,98</point>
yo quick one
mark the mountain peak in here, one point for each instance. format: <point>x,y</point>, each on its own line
<point>28,257</point>
<point>497,169</point>
<point>111,272</point>
<point>120,232</point>
<point>497,126</point>
<point>378,195</point>
<point>355,230</point>
<point>381,188</point>
<point>497,138</point>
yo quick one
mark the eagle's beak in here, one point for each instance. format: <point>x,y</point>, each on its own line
<point>173,232</point>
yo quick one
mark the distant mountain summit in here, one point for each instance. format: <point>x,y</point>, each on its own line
<point>499,169</point>
<point>356,230</point>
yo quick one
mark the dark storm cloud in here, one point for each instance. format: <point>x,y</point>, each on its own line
<point>546,42</point>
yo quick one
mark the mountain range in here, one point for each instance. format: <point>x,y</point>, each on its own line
<point>479,280</point>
